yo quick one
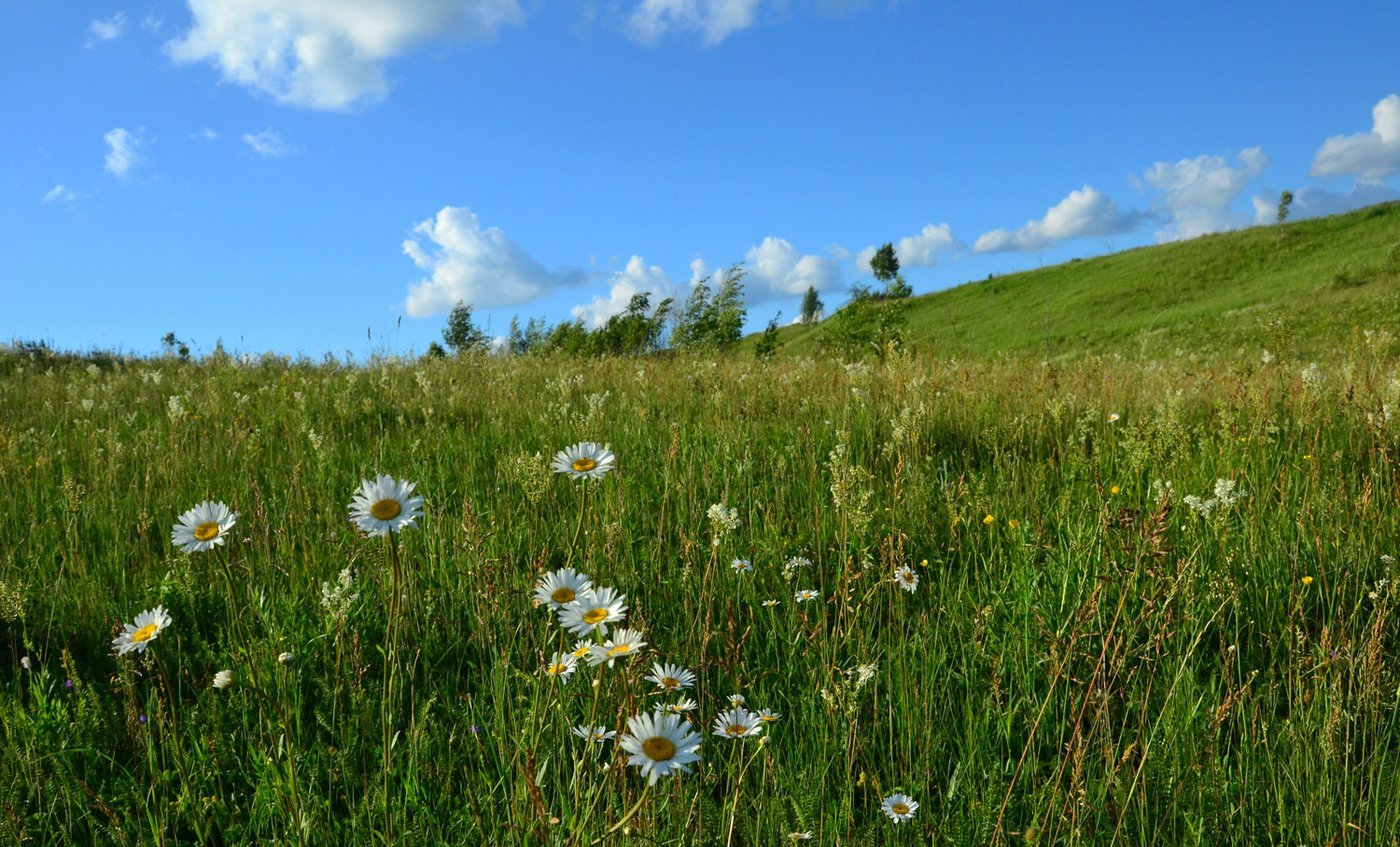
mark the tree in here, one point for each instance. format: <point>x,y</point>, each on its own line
<point>768,342</point>
<point>885,265</point>
<point>811,306</point>
<point>461,334</point>
<point>712,320</point>
<point>1285,200</point>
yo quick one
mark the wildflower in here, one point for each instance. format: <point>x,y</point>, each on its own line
<point>670,677</point>
<point>581,649</point>
<point>805,835</point>
<point>805,594</point>
<point>660,745</point>
<point>737,723</point>
<point>770,602</point>
<point>203,527</point>
<point>742,566</point>
<point>585,460</point>
<point>680,707</point>
<point>735,700</point>
<point>723,520</point>
<point>594,734</point>
<point>899,807</point>
<point>338,598</point>
<point>593,610</point>
<point>286,658</point>
<point>24,662</point>
<point>561,666</point>
<point>223,679</point>
<point>795,564</point>
<point>1114,490</point>
<point>137,636</point>
<point>385,505</point>
<point>622,644</point>
<point>1013,523</point>
<point>906,578</point>
<point>1307,580</point>
<point>1113,417</point>
<point>988,520</point>
<point>767,716</point>
<point>560,588</point>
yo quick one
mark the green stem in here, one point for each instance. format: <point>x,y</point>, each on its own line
<point>627,817</point>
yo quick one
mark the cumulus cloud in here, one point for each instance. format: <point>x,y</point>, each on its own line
<point>1314,202</point>
<point>1085,213</point>
<point>481,267</point>
<point>913,251</point>
<point>636,278</point>
<point>60,194</point>
<point>268,144</point>
<point>326,54</point>
<point>1198,193</point>
<point>108,30</point>
<point>776,269</point>
<point>715,20</point>
<point>1372,155</point>
<point>123,152</point>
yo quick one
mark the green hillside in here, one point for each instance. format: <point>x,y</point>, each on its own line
<point>1298,289</point>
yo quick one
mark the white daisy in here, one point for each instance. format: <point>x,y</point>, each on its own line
<point>805,594</point>
<point>805,835</point>
<point>680,707</point>
<point>742,566</point>
<point>670,678</point>
<point>385,505</point>
<point>137,636</point>
<point>561,666</point>
<point>581,649</point>
<point>623,644</point>
<point>906,578</point>
<point>737,723</point>
<point>593,610</point>
<point>594,734</point>
<point>899,807</point>
<point>585,460</point>
<point>736,700</point>
<point>223,679</point>
<point>660,745</point>
<point>769,603</point>
<point>203,527</point>
<point>558,589</point>
<point>1112,418</point>
<point>767,716</point>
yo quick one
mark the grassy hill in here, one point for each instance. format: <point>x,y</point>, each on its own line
<point>1298,289</point>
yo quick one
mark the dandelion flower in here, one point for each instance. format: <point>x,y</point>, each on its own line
<point>223,679</point>
<point>622,644</point>
<point>906,577</point>
<point>138,635</point>
<point>203,527</point>
<point>385,505</point>
<point>585,460</point>
<point>805,594</point>
<point>594,734</point>
<point>1307,580</point>
<point>660,745</point>
<point>558,589</point>
<point>670,678</point>
<point>742,566</point>
<point>561,666</point>
<point>899,807</point>
<point>737,723</point>
<point>989,520</point>
<point>593,610</point>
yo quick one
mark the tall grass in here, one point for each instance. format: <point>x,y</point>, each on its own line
<point>1087,659</point>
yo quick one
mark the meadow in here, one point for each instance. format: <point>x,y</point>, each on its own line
<point>1153,600</point>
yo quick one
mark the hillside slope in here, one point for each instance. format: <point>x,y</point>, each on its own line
<point>1299,289</point>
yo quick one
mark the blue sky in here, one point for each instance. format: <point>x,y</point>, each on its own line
<point>313,176</point>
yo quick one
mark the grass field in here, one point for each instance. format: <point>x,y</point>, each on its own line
<point>1095,652</point>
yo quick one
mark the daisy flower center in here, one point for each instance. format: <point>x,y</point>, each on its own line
<point>619,650</point>
<point>386,510</point>
<point>659,748</point>
<point>145,633</point>
<point>670,683</point>
<point>563,595</point>
<point>593,617</point>
<point>584,464</point>
<point>900,809</point>
<point>735,729</point>
<point>558,669</point>
<point>206,531</point>
<point>908,577</point>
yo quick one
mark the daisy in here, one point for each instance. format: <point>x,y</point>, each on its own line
<point>742,566</point>
<point>770,602</point>
<point>907,579</point>
<point>737,723</point>
<point>768,716</point>
<point>622,644</point>
<point>203,527</point>
<point>561,666</point>
<point>660,745</point>
<point>585,460</point>
<point>137,636</point>
<point>385,505</point>
<point>670,678</point>
<point>899,807</point>
<point>560,588</point>
<point>805,594</point>
<point>735,700</point>
<point>223,679</point>
<point>581,649</point>
<point>800,836</point>
<point>1112,418</point>
<point>680,707</point>
<point>594,734</point>
<point>593,610</point>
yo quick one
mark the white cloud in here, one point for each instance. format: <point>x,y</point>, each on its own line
<point>1085,213</point>
<point>108,30</point>
<point>60,194</point>
<point>1313,202</point>
<point>122,152</point>
<point>483,268</point>
<point>715,20</point>
<point>776,269</point>
<point>267,143</point>
<point>326,54</point>
<point>1372,155</point>
<point>636,278</point>
<point>1198,193</point>
<point>206,134</point>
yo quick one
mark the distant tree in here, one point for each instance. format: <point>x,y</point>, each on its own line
<point>768,341</point>
<point>811,306</point>
<point>636,331</point>
<point>175,347</point>
<point>1285,200</point>
<point>885,265</point>
<point>712,319</point>
<point>436,351</point>
<point>461,334</point>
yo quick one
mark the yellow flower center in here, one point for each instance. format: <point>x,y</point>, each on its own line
<point>670,683</point>
<point>145,633</point>
<point>768,718</point>
<point>558,669</point>
<point>659,748</point>
<point>593,617</point>
<point>735,730</point>
<point>563,595</point>
<point>584,464</point>
<point>909,576</point>
<point>206,531</point>
<point>386,509</point>
<point>581,651</point>
<point>900,808</point>
<point>619,650</point>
